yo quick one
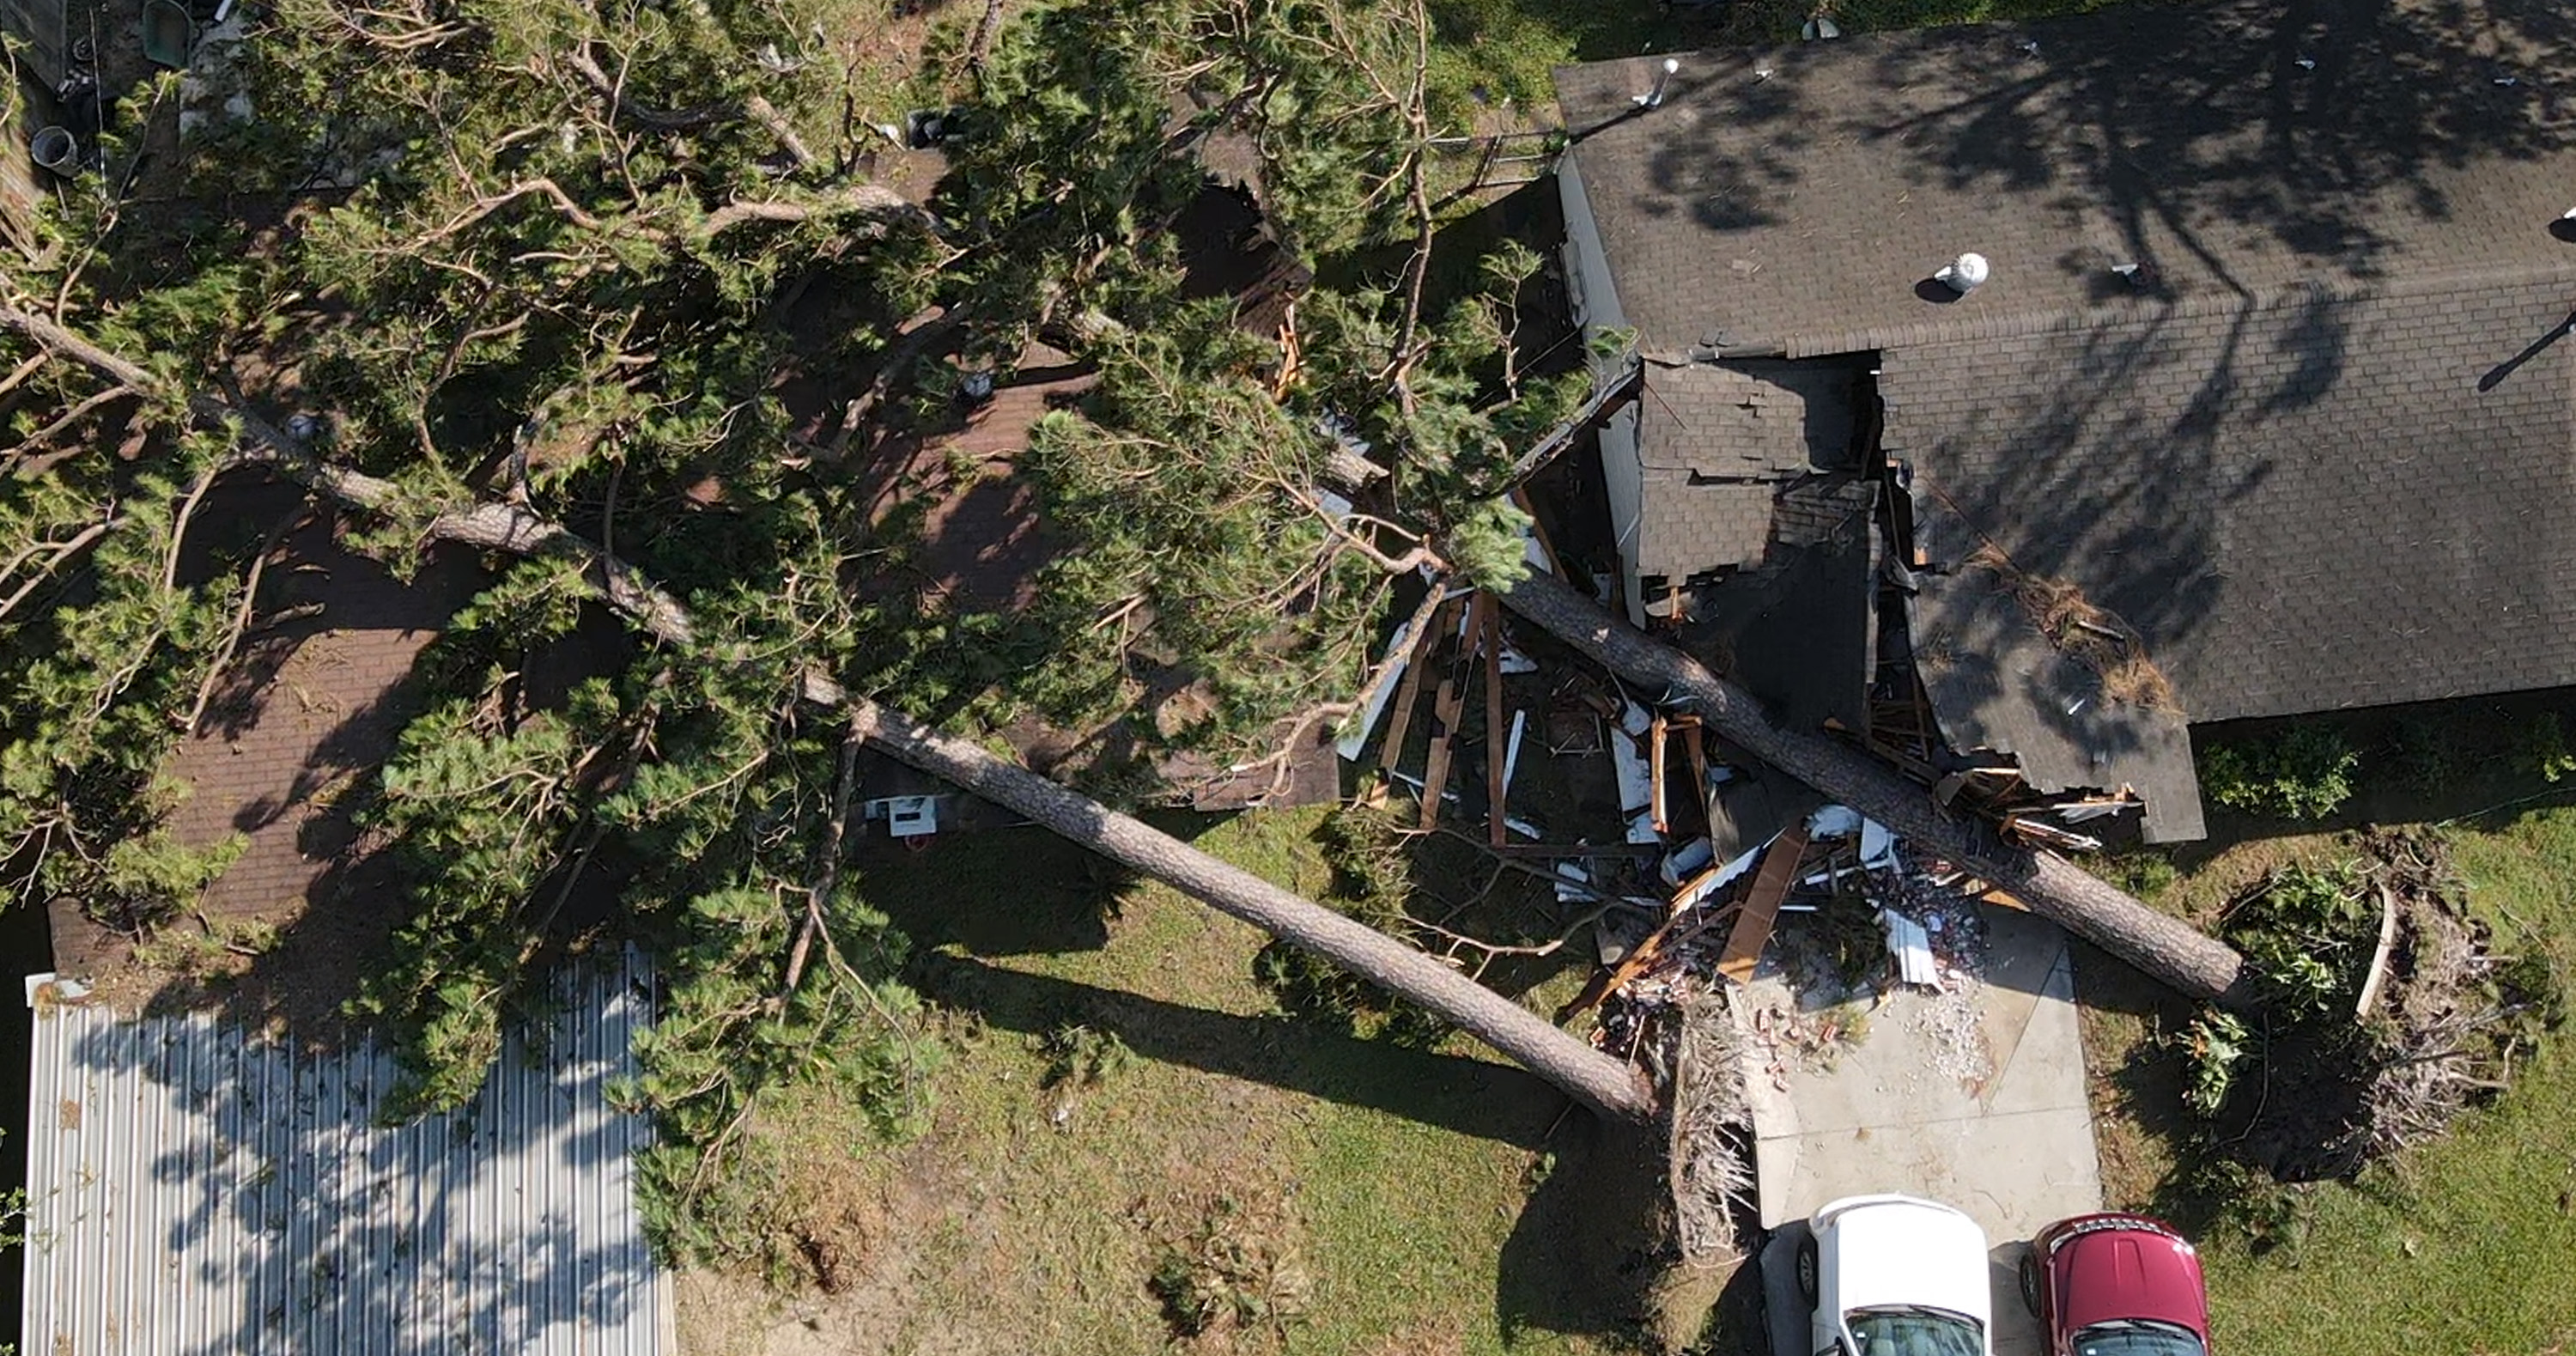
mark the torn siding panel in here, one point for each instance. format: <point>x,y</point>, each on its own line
<point>194,1189</point>
<point>1596,297</point>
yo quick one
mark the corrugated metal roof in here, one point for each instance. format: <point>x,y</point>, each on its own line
<point>196,1189</point>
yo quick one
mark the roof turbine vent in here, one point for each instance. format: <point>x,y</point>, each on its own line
<point>1654,98</point>
<point>1964,274</point>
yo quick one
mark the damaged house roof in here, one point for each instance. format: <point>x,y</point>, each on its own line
<point>1995,682</point>
<point>2315,446</point>
<point>1736,432</point>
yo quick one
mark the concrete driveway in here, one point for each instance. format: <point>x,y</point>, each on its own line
<point>1977,1102</point>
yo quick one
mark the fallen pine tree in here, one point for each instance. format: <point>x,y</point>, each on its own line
<point>1586,1074</point>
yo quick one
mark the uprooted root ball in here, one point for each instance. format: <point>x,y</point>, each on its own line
<point>2387,1012</point>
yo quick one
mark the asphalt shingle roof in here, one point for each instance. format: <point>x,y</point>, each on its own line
<point>2232,148</point>
<point>1995,682</point>
<point>1716,442</point>
<point>2326,458</point>
<point>2303,502</point>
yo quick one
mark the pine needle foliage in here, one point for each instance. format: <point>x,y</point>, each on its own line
<point>560,258</point>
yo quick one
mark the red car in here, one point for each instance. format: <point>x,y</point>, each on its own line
<point>2116,1285</point>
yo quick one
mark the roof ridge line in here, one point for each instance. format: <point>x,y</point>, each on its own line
<point>2020,324</point>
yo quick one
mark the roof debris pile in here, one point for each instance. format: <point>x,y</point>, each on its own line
<point>1711,1176</point>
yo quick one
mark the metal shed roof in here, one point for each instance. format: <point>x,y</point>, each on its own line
<point>195,1189</point>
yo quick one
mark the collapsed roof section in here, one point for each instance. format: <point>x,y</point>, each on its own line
<point>2304,502</point>
<point>2073,724</point>
<point>1797,628</point>
<point>1716,443</point>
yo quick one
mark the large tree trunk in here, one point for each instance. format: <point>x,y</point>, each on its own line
<point>2162,946</point>
<point>1587,1074</point>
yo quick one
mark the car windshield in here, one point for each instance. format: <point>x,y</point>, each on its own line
<point>2136,1337</point>
<point>1914,1330</point>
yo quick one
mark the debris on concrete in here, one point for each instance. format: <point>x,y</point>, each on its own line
<point>1953,1033</point>
<point>1911,946</point>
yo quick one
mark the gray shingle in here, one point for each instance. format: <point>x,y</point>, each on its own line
<point>1718,441</point>
<point>2303,502</point>
<point>2328,459</point>
<point>1804,208</point>
<point>1995,682</point>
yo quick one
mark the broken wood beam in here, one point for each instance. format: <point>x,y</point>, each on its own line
<point>1446,706</point>
<point>1761,908</point>
<point>2047,835</point>
<point>1426,647</point>
<point>1496,742</point>
<point>1656,738</point>
<point>1612,979</point>
<point>2160,945</point>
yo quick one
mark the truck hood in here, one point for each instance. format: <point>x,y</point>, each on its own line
<point>2129,1273</point>
<point>1912,1252</point>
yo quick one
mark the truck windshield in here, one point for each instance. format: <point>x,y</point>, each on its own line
<point>1915,1330</point>
<point>2136,1337</point>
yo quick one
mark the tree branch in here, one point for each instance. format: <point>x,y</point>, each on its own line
<point>853,200</point>
<point>767,115</point>
<point>66,419</point>
<point>241,617</point>
<point>500,527</point>
<point>1569,1063</point>
<point>827,870</point>
<point>62,552</point>
<point>583,64</point>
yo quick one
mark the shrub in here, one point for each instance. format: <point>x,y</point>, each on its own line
<point>2309,935</point>
<point>2305,772</point>
<point>2267,1214</point>
<point>1082,1056</point>
<point>2544,748</point>
<point>1235,1270</point>
<point>2212,1046</point>
<point>2421,755</point>
<point>2144,872</point>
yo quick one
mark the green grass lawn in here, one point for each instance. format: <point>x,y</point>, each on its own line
<point>2464,1245</point>
<point>1400,1199</point>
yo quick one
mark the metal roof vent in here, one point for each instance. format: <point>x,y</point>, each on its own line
<point>1654,98</point>
<point>1964,274</point>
